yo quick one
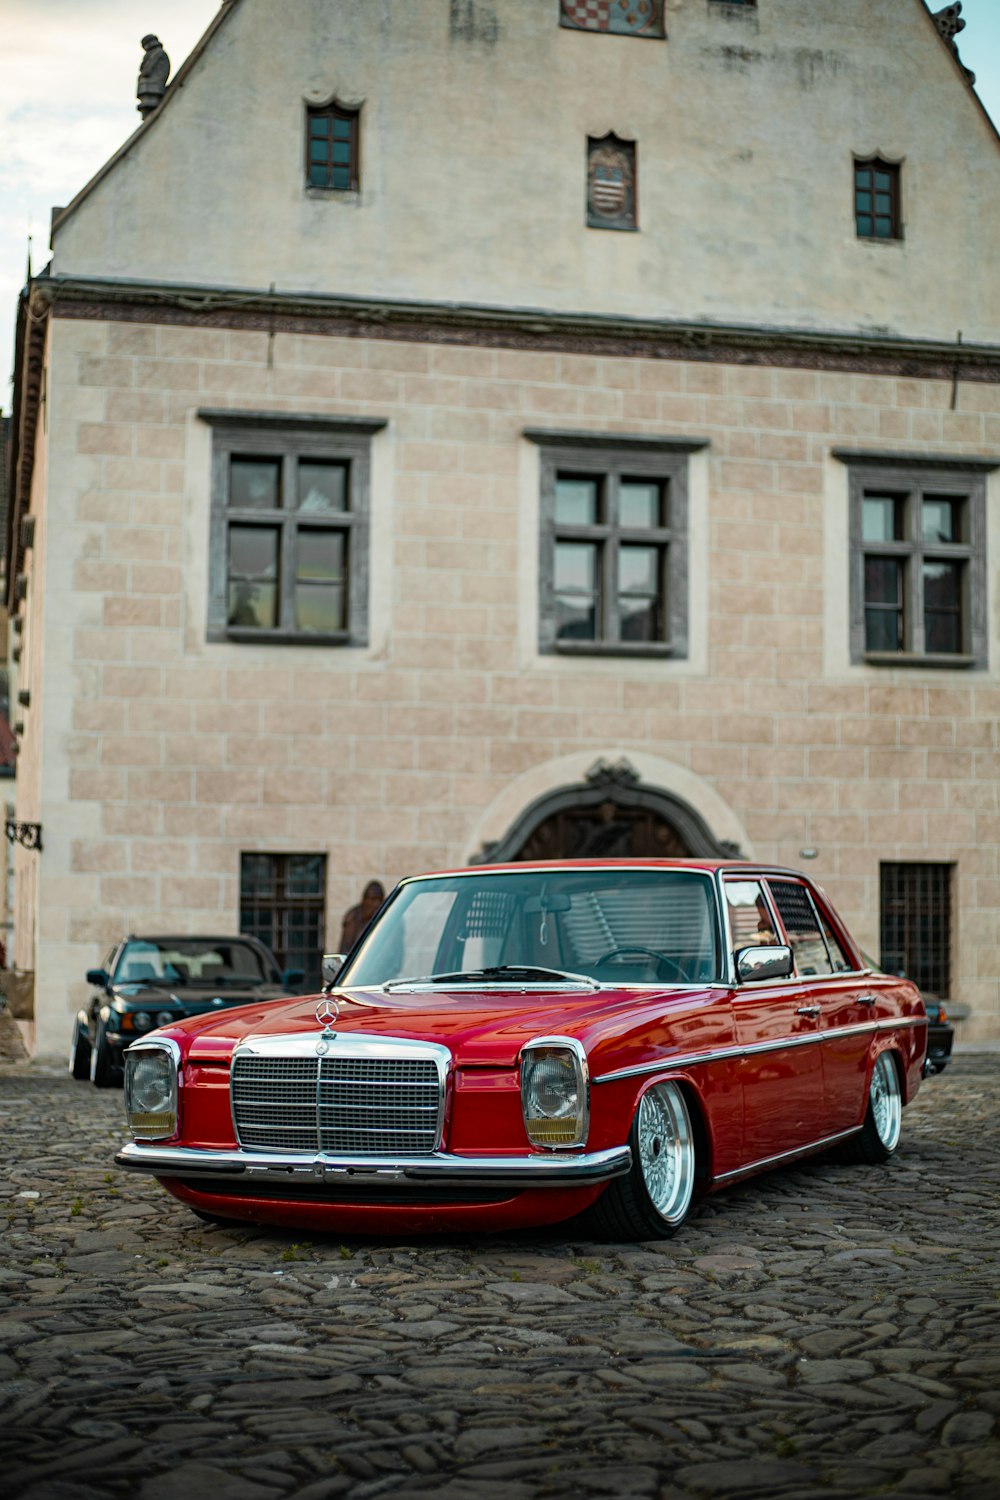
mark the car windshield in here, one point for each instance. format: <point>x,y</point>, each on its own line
<point>549,926</point>
<point>212,963</point>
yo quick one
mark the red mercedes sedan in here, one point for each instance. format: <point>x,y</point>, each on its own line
<point>515,1045</point>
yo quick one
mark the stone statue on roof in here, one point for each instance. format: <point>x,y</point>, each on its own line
<point>949,22</point>
<point>154,71</point>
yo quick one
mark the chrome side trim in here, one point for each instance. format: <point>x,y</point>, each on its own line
<point>542,1171</point>
<point>756,1049</point>
<point>771,1161</point>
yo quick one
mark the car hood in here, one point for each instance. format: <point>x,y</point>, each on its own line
<point>484,1029</point>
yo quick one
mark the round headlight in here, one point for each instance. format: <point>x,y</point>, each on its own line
<point>151,1091</point>
<point>554,1094</point>
<point>164,1017</point>
<point>142,1021</point>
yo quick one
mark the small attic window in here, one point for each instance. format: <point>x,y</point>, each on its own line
<point>332,148</point>
<point>876,200</point>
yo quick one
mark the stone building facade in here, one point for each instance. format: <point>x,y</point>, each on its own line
<point>522,432</point>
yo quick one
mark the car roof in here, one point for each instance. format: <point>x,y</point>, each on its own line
<point>706,866</point>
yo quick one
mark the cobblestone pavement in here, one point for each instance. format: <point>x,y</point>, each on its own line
<point>827,1330</point>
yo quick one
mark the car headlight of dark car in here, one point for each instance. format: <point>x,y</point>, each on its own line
<point>555,1092</point>
<point>151,1090</point>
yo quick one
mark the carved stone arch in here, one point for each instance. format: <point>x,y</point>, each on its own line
<point>611,813</point>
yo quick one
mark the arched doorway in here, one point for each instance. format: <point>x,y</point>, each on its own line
<point>610,815</point>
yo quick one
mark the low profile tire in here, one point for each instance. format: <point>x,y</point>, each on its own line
<point>103,1072</point>
<point>652,1202</point>
<point>879,1136</point>
<point>79,1053</point>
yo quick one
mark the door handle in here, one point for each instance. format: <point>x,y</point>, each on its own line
<point>866,999</point>
<point>808,1010</point>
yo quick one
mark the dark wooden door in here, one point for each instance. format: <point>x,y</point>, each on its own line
<point>604,830</point>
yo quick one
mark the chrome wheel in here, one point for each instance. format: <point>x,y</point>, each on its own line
<point>886,1104</point>
<point>666,1151</point>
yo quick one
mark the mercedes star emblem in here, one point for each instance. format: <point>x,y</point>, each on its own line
<point>327,1011</point>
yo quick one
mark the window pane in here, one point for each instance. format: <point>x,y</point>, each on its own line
<point>342,153</point>
<point>883,581</point>
<point>576,619</point>
<point>639,570</point>
<point>883,229</point>
<point>252,604</point>
<point>802,927</point>
<point>342,129</point>
<point>883,604</point>
<point>305,874</point>
<point>320,556</point>
<point>864,202</point>
<point>640,619</point>
<point>576,567</point>
<point>942,606</point>
<point>319,151</point>
<point>318,125</point>
<point>883,182</point>
<point>750,919</point>
<point>319,606</point>
<point>640,503</point>
<point>864,224</point>
<point>322,486</point>
<point>318,175</point>
<point>253,551</point>
<point>341,179</point>
<point>939,519</point>
<point>255,483</point>
<point>882,518</point>
<point>577,502</point>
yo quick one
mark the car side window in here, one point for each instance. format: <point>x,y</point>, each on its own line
<point>841,963</point>
<point>801,923</point>
<point>751,921</point>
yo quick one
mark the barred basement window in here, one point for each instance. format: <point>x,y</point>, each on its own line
<point>283,903</point>
<point>918,559</point>
<point>915,906</point>
<point>289,528</point>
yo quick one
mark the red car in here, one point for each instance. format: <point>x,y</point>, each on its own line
<point>513,1045</point>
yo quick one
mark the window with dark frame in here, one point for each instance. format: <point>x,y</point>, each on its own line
<point>289,529</point>
<point>332,154</point>
<point>877,213</point>
<point>915,921</point>
<point>613,547</point>
<point>918,559</point>
<point>283,903</point>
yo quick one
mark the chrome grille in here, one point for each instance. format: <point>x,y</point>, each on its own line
<point>359,1106</point>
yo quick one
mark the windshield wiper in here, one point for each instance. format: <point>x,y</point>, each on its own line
<point>526,972</point>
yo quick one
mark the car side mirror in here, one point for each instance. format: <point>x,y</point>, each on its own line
<point>291,977</point>
<point>767,962</point>
<point>98,977</point>
<point>331,967</point>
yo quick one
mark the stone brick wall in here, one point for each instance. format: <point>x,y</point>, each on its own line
<point>164,756</point>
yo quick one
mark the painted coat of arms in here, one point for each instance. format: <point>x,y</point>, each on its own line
<point>625,17</point>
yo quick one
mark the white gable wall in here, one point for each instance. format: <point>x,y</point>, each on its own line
<point>473,165</point>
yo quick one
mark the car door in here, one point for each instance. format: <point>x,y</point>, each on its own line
<point>842,999</point>
<point>778,1034</point>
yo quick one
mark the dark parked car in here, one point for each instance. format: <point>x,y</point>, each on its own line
<point>940,1035</point>
<point>148,982</point>
<point>940,1032</point>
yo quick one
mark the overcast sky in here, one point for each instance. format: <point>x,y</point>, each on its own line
<point>67,102</point>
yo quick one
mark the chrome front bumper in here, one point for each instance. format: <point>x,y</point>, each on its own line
<point>291,1168</point>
